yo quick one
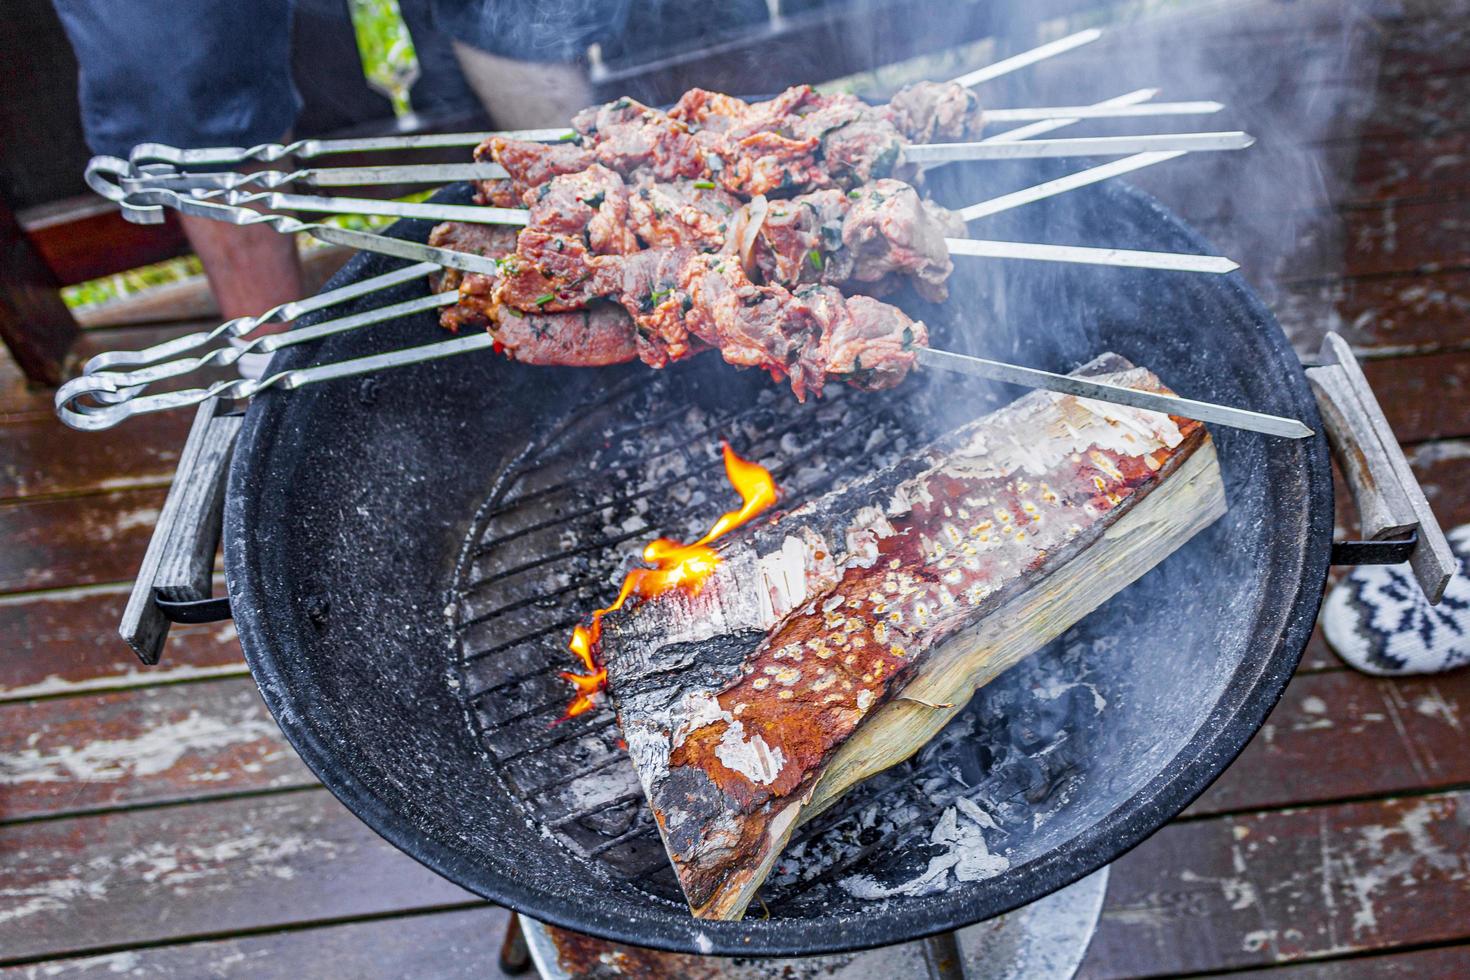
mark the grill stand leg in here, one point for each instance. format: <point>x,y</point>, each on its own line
<point>515,958</point>
<point>1047,938</point>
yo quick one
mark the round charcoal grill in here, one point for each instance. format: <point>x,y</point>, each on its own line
<point>407,554</point>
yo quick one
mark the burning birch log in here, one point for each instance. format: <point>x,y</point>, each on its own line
<point>836,640</point>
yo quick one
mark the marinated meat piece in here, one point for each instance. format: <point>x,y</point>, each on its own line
<point>591,203</point>
<point>687,213</point>
<point>866,343</point>
<point>932,112</point>
<point>475,309</point>
<point>602,334</point>
<point>800,240</point>
<point>630,136</point>
<point>648,284</point>
<point>500,193</point>
<point>548,273</point>
<point>859,144</point>
<point>491,241</point>
<point>753,326</point>
<point>595,337</point>
<point>529,165</point>
<point>768,163</point>
<point>702,109</point>
<point>890,229</point>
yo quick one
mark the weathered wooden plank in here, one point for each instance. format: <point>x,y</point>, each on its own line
<point>66,642</point>
<point>1377,490</point>
<point>71,541</point>
<point>177,563</point>
<point>1414,237</point>
<point>39,455</point>
<point>1403,169</point>
<point>147,876</point>
<point>459,945</point>
<point>148,745</point>
<point>1444,963</point>
<point>1443,469</point>
<point>1381,317</point>
<point>449,945</point>
<point>1342,734</point>
<point>1420,395</point>
<point>1288,885</point>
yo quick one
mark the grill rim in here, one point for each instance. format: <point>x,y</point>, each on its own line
<point>1243,705</point>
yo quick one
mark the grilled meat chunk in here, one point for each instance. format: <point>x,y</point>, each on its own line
<point>836,640</point>
<point>529,165</point>
<point>889,230</point>
<point>548,273</point>
<point>629,136</point>
<point>866,343</point>
<point>598,336</point>
<point>649,286</point>
<point>592,202</point>
<point>492,241</point>
<point>685,214</point>
<point>933,112</point>
<point>753,326</point>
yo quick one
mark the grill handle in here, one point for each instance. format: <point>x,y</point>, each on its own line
<point>175,581</point>
<point>1396,521</point>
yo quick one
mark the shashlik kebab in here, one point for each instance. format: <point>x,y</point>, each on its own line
<point>665,304</point>
<point>865,238</point>
<point>800,140</point>
<point>692,267</point>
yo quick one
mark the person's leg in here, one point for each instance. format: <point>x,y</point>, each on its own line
<point>249,269</point>
<point>524,58</point>
<point>202,73</point>
<point>524,94</point>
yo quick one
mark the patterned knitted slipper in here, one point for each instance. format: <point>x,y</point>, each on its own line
<point>1378,621</point>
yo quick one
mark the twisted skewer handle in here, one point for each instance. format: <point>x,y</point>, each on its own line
<point>97,418</point>
<point>147,202</point>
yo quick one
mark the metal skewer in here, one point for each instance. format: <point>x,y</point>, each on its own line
<point>1104,110</point>
<point>151,202</point>
<point>152,178</point>
<point>1238,418</point>
<point>1120,257</point>
<point>216,156</point>
<point>1051,188</point>
<point>1074,147</point>
<point>1170,261</point>
<point>105,417</point>
<point>1049,125</point>
<point>1007,65</point>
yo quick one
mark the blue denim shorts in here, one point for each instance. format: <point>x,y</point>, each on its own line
<point>218,72</point>
<point>193,73</point>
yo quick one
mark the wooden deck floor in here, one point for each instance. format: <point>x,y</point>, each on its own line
<point>154,823</point>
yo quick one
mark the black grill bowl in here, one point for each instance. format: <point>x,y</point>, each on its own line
<point>402,550</point>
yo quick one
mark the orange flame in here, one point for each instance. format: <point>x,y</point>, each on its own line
<point>675,566</point>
